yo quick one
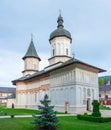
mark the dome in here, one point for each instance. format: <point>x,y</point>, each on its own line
<point>60,31</point>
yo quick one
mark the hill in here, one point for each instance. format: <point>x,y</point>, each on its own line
<point>104,80</point>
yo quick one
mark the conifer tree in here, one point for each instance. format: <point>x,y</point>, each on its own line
<point>47,119</point>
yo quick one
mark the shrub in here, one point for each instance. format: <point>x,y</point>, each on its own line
<point>96,111</point>
<point>93,119</point>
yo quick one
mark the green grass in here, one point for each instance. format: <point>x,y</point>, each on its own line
<point>16,124</point>
<point>16,111</point>
<point>65,123</point>
<point>19,111</point>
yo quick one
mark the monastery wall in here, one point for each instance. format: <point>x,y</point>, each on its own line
<point>30,93</point>
<point>73,89</point>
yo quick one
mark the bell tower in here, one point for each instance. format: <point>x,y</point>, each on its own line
<point>31,60</point>
<point>60,41</point>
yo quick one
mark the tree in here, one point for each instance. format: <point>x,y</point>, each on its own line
<point>47,119</point>
<point>96,111</point>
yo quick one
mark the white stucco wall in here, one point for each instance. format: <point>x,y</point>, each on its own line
<point>75,86</point>
<point>29,95</point>
<point>60,46</point>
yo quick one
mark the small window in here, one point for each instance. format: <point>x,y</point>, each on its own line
<point>66,51</point>
<point>106,96</point>
<point>35,97</point>
<point>53,52</point>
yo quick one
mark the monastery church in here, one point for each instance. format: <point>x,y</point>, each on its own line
<point>70,83</point>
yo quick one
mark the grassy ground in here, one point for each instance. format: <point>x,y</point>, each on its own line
<point>10,111</point>
<point>65,123</point>
<point>18,111</point>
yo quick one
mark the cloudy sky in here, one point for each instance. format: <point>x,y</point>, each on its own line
<point>89,22</point>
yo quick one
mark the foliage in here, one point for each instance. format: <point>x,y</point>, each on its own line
<point>47,118</point>
<point>96,112</point>
<point>103,80</point>
<point>93,118</point>
<point>102,107</point>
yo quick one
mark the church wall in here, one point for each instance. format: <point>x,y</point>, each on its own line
<point>31,64</point>
<point>73,87</point>
<point>30,93</point>
<point>86,88</point>
<point>60,44</point>
<point>62,88</point>
<point>20,95</point>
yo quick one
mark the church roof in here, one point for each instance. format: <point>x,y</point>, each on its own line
<point>67,63</point>
<point>60,31</point>
<point>105,88</point>
<point>7,90</point>
<point>31,52</point>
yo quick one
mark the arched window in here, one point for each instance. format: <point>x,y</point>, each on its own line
<point>53,52</point>
<point>66,51</point>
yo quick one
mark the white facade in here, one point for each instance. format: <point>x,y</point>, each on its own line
<point>70,88</point>
<point>73,89</point>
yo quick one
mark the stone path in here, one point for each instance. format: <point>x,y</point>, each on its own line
<point>105,113</point>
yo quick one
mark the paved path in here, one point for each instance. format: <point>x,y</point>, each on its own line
<point>105,113</point>
<point>21,116</point>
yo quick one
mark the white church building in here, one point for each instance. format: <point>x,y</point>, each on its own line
<point>70,83</point>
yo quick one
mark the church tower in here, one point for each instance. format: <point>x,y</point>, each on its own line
<point>60,41</point>
<point>31,60</point>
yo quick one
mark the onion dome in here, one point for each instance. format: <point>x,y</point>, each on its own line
<point>60,31</point>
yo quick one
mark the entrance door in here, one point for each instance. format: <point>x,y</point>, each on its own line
<point>88,104</point>
<point>66,107</point>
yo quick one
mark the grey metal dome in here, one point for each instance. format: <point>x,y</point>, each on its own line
<point>60,31</point>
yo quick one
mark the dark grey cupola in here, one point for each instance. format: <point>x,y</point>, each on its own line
<point>60,31</point>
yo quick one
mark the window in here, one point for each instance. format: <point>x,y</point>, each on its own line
<point>35,67</point>
<point>106,96</point>
<point>66,51</point>
<point>35,97</point>
<point>53,52</point>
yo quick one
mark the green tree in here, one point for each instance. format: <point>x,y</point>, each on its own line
<point>47,119</point>
<point>96,111</point>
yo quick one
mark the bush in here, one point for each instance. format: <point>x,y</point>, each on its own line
<point>93,119</point>
<point>96,111</point>
<point>102,107</point>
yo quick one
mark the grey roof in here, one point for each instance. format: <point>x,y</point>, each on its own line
<point>7,90</point>
<point>69,62</point>
<point>60,31</point>
<point>31,52</point>
<point>105,88</point>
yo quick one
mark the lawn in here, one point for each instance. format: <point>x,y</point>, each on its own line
<point>19,111</point>
<point>65,123</point>
<point>16,111</point>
